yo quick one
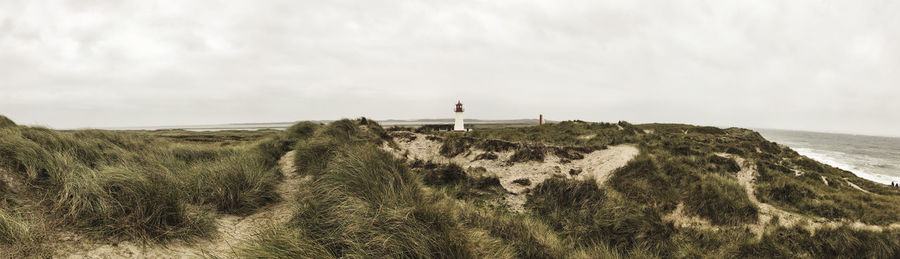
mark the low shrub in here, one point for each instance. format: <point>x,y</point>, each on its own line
<point>522,181</point>
<point>570,153</point>
<point>447,174</point>
<point>629,129</point>
<point>527,154</point>
<point>840,242</point>
<point>642,180</point>
<point>493,145</point>
<point>721,200</point>
<point>784,191</point>
<point>726,164</point>
<point>455,145</point>
<point>486,156</point>
<point>575,172</point>
<point>585,214</point>
<point>707,130</point>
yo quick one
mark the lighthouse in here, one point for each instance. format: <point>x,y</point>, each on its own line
<point>459,126</point>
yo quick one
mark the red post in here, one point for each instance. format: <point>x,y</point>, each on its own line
<point>541,120</point>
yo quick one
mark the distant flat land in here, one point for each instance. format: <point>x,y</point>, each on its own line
<point>385,123</point>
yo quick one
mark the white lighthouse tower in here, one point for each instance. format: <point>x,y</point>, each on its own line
<point>459,126</point>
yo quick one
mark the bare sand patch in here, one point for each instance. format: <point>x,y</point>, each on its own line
<point>680,219</point>
<point>855,186</point>
<point>747,178</point>
<point>598,164</point>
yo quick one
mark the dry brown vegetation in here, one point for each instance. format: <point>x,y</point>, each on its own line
<point>353,189</point>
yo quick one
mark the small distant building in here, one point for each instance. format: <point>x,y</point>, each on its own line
<point>459,126</point>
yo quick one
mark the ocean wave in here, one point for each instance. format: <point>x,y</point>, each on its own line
<point>842,161</point>
<point>884,166</point>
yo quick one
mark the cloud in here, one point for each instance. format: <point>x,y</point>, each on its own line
<point>815,65</point>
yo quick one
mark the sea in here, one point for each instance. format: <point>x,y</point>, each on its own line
<point>871,157</point>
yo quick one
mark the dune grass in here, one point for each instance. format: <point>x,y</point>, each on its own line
<point>6,122</point>
<point>721,200</point>
<point>360,201</point>
<point>366,203</point>
<point>840,242</point>
<point>587,215</point>
<point>13,230</point>
<point>690,165</point>
<point>139,185</point>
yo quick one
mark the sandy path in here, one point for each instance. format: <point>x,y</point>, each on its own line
<point>855,186</point>
<point>683,220</point>
<point>232,230</point>
<point>747,177</point>
<point>598,164</point>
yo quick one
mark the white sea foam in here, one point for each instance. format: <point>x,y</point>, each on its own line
<point>842,161</point>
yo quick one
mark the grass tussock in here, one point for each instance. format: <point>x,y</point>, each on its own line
<point>645,181</point>
<point>528,154</point>
<point>6,122</point>
<point>243,184</point>
<point>455,145</point>
<point>487,156</point>
<point>118,202</point>
<point>475,185</point>
<point>20,238</point>
<point>681,164</point>
<point>141,185</point>
<point>361,201</point>
<point>721,200</point>
<point>778,184</point>
<point>588,215</point>
<point>13,230</point>
<point>366,203</point>
<point>840,242</point>
<point>311,156</point>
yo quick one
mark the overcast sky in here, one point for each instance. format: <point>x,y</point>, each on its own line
<point>816,65</point>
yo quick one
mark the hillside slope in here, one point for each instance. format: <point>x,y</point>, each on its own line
<point>354,189</point>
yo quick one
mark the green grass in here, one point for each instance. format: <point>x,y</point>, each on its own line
<point>360,201</point>
<point>679,164</point>
<point>841,242</point>
<point>721,200</point>
<point>366,203</point>
<point>139,185</point>
<point>578,219</point>
<point>587,215</point>
<point>6,122</point>
<point>242,184</point>
<point>837,200</point>
<point>13,230</point>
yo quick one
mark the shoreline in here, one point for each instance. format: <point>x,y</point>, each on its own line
<point>859,172</point>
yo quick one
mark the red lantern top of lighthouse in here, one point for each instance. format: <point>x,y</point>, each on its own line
<point>459,106</point>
